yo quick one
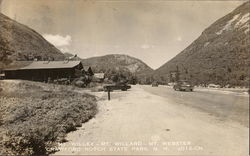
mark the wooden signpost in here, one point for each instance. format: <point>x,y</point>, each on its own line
<point>109,94</point>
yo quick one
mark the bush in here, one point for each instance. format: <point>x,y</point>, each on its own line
<point>33,120</point>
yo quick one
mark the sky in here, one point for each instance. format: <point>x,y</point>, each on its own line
<point>152,30</point>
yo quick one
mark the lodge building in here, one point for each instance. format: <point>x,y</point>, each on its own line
<point>44,70</point>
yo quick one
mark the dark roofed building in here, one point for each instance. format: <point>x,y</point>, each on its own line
<point>44,70</point>
<point>98,77</point>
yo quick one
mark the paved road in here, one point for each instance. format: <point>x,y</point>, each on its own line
<point>158,121</point>
<point>225,105</point>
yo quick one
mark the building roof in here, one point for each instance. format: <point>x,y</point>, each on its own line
<point>99,75</point>
<point>16,65</point>
<point>51,65</point>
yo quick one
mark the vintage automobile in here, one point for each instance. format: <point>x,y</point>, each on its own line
<point>183,85</point>
<point>155,84</point>
<point>116,86</point>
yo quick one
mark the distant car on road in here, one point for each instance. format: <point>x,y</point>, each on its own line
<point>155,84</point>
<point>183,86</point>
<point>118,86</point>
<point>214,86</point>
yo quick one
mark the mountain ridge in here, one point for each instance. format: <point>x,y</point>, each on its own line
<point>115,61</point>
<point>219,55</point>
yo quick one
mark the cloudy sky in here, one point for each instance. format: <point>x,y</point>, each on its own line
<point>151,30</point>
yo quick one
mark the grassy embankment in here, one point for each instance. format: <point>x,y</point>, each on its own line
<point>34,116</point>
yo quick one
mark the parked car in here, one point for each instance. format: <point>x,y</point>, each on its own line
<point>183,86</point>
<point>155,84</point>
<point>2,76</point>
<point>117,86</point>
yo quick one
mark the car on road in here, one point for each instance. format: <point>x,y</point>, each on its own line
<point>214,86</point>
<point>155,84</point>
<point>118,86</point>
<point>183,85</point>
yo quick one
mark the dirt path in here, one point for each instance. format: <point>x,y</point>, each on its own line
<point>137,122</point>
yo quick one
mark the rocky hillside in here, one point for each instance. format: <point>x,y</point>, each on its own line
<point>116,62</point>
<point>220,55</point>
<point>19,42</point>
<point>116,66</point>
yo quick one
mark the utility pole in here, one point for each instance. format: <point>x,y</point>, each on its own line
<point>177,74</point>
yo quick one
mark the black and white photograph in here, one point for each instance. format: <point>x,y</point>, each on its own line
<point>124,77</point>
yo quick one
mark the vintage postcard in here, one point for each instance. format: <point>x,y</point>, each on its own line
<point>124,77</point>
